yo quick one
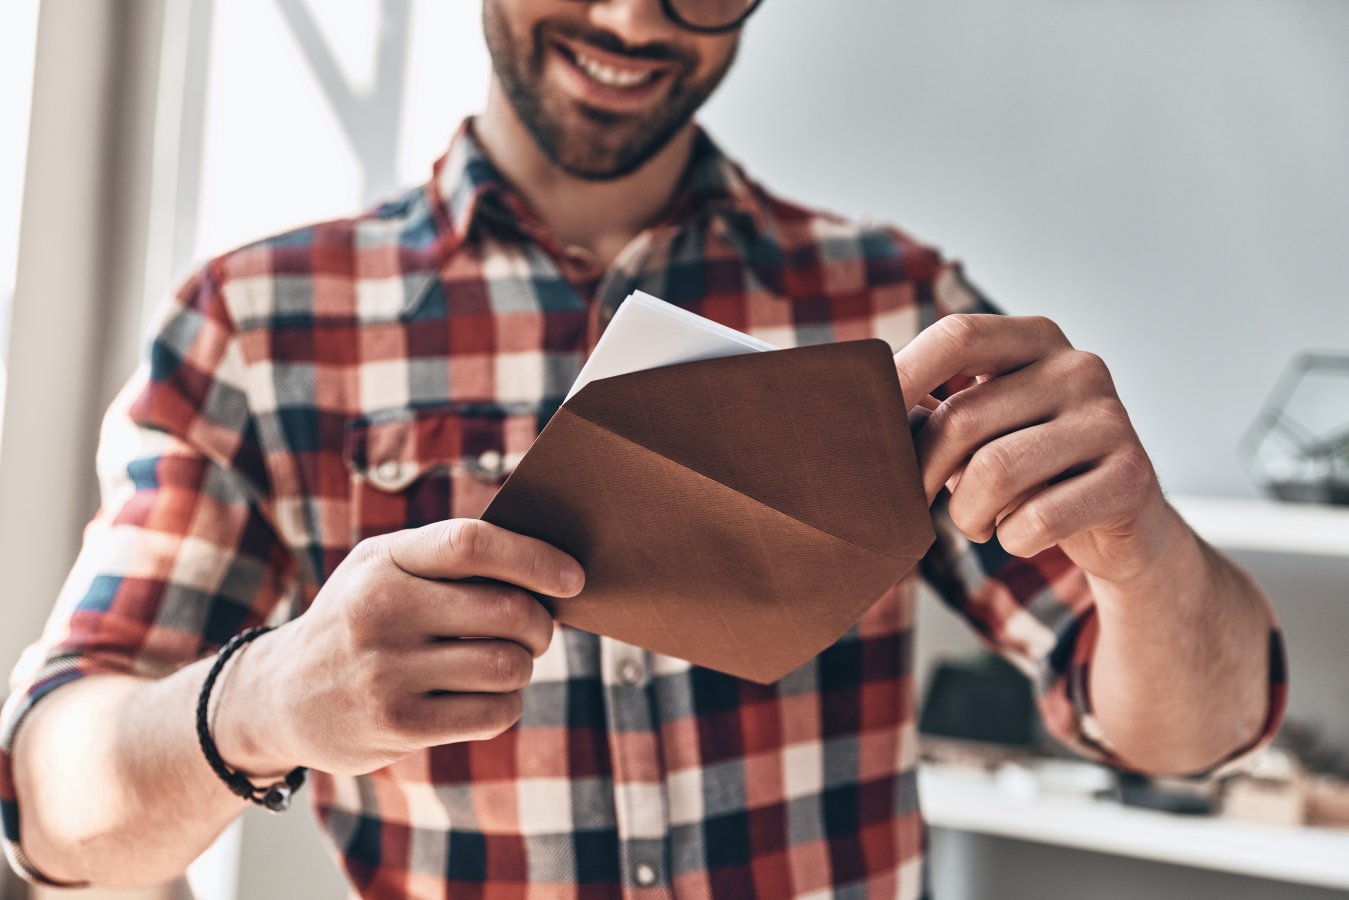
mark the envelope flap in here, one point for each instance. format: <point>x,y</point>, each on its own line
<point>835,449</point>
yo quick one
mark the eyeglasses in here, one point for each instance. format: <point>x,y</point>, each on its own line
<point>709,16</point>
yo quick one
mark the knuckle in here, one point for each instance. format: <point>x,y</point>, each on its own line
<point>364,563</point>
<point>959,418</point>
<point>1036,528</point>
<point>1050,329</point>
<point>461,540</point>
<point>960,328</point>
<point>394,717</point>
<point>362,620</point>
<point>1090,370</point>
<point>513,610</point>
<point>1108,423</point>
<point>378,680</point>
<point>995,467</point>
<point>369,550</point>
<point>1136,474</point>
<point>509,665</point>
<point>367,609</point>
<point>536,566</point>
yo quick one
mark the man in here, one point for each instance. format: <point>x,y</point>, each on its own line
<point>323,414</point>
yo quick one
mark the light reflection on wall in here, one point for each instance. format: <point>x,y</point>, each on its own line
<point>278,152</point>
<point>18,40</point>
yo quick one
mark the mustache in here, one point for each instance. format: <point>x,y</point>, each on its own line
<point>608,41</point>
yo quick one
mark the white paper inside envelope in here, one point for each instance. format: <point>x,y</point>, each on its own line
<point>646,332</point>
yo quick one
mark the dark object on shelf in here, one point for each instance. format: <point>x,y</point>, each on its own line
<point>1314,750</point>
<point>1143,792</point>
<point>983,698</point>
<point>1298,447</point>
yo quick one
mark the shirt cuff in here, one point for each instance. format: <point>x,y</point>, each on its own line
<point>56,672</point>
<point>1085,734</point>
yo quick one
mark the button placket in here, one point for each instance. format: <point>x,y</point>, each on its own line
<point>639,779</point>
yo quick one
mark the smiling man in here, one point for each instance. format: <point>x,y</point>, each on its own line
<point>323,414</point>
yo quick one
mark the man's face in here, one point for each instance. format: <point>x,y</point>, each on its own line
<point>601,85</point>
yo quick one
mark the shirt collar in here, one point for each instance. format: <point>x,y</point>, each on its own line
<point>716,184</point>
<point>465,184</point>
<point>460,181</point>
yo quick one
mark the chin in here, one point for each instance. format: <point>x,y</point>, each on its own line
<point>598,148</point>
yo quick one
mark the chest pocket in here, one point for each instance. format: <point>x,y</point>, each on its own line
<point>431,465</point>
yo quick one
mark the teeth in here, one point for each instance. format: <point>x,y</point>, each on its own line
<point>609,75</point>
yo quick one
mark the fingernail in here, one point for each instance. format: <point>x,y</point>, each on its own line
<point>571,578</point>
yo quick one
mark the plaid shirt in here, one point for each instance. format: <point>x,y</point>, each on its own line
<point>366,375</point>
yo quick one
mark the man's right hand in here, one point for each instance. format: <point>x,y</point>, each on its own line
<point>396,653</point>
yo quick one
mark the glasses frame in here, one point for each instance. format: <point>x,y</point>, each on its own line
<point>668,7</point>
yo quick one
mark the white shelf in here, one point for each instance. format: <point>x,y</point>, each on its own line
<point>1268,525</point>
<point>969,800</point>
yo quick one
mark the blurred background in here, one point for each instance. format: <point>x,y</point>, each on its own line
<point>1167,180</point>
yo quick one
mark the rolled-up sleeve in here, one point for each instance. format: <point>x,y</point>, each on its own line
<point>182,553</point>
<point>1038,613</point>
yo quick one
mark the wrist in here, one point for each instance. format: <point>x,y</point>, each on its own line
<point>246,721</point>
<point>1174,566</point>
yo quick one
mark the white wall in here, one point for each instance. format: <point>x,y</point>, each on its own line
<point>1166,179</point>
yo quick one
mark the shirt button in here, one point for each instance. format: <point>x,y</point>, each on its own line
<point>490,462</point>
<point>388,472</point>
<point>644,874</point>
<point>630,672</point>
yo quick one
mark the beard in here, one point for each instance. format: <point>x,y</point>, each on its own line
<point>581,140</point>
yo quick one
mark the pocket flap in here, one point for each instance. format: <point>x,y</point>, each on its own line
<point>483,440</point>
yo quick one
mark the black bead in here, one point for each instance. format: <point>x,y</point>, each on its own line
<point>277,798</point>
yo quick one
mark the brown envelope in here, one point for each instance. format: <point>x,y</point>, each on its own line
<point>740,513</point>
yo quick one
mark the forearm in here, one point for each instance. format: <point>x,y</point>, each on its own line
<point>113,787</point>
<point>1180,675</point>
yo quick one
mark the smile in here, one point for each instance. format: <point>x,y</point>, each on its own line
<point>609,75</point>
<point>611,70</point>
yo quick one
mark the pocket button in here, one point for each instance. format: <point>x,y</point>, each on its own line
<point>388,473</point>
<point>490,462</point>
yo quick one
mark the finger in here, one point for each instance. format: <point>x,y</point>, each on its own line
<point>1086,502</point>
<point>487,610</point>
<point>464,548</point>
<point>1004,470</point>
<point>954,481</point>
<point>436,719</point>
<point>977,415</point>
<point>470,666</point>
<point>972,345</point>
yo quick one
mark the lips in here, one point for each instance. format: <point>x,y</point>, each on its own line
<point>610,79</point>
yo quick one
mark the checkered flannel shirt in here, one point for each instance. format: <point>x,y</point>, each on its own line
<point>387,371</point>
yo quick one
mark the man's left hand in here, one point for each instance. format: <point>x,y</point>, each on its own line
<point>1037,446</point>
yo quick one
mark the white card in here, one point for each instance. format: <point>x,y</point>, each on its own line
<point>646,333</point>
